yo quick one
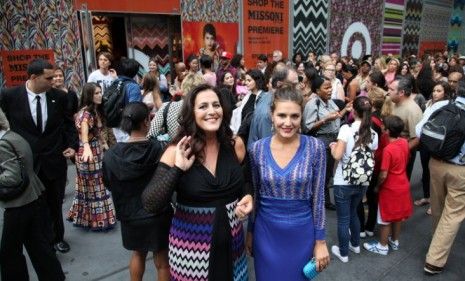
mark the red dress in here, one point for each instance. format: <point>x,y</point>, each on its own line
<point>395,200</point>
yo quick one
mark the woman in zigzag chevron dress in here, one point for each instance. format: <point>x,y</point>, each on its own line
<point>206,240</point>
<point>288,171</point>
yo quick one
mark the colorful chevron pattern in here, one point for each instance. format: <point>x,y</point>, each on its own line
<point>412,27</point>
<point>392,32</point>
<point>190,242</point>
<point>102,35</point>
<point>151,38</point>
<point>44,25</point>
<point>310,26</point>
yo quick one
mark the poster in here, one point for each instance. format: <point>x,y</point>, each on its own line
<point>266,28</point>
<point>14,64</point>
<point>198,35</point>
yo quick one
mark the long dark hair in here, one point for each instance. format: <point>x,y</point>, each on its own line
<point>362,107</point>
<point>220,83</point>
<point>87,100</point>
<point>188,126</point>
<point>134,115</point>
<point>258,77</point>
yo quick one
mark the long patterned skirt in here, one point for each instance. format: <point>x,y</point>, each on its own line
<point>207,244</point>
<point>92,206</point>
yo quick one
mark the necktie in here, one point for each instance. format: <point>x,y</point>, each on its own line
<point>39,114</point>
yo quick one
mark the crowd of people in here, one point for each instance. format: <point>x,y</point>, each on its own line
<point>182,162</point>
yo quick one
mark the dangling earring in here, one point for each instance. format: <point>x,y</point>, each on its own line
<point>273,128</point>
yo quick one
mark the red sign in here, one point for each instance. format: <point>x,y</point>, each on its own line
<point>14,64</point>
<point>195,33</point>
<point>266,28</point>
<point>131,6</point>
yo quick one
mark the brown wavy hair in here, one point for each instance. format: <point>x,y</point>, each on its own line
<point>188,126</point>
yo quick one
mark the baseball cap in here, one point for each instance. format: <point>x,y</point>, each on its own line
<point>226,55</point>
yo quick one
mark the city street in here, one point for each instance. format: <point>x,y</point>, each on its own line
<point>100,256</point>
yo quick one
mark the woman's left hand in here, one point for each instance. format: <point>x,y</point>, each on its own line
<point>321,255</point>
<point>244,207</point>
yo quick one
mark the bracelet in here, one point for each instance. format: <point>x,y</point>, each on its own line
<point>84,142</point>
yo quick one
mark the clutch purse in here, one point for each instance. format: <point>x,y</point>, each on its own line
<point>310,269</point>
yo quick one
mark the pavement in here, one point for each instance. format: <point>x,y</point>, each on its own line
<point>101,256</point>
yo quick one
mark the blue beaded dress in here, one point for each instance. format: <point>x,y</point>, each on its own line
<point>290,213</point>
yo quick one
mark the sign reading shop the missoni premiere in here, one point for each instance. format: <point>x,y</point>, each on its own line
<point>266,28</point>
<point>14,64</point>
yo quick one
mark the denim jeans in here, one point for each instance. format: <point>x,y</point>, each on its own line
<point>347,198</point>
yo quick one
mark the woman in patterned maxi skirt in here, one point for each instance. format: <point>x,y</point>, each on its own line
<point>92,206</point>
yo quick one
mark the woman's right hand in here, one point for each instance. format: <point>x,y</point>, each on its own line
<point>87,155</point>
<point>249,243</point>
<point>183,150</point>
<point>332,116</point>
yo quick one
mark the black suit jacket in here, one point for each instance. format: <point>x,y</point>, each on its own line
<point>59,132</point>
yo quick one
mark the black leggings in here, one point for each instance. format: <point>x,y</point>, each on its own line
<point>372,202</point>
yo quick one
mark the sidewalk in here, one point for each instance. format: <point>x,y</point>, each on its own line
<point>100,256</point>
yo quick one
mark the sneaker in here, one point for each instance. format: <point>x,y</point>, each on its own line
<point>376,247</point>
<point>354,249</point>
<point>393,244</point>
<point>369,233</point>
<point>363,235</point>
<point>431,269</point>
<point>335,251</point>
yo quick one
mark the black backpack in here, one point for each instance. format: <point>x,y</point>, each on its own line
<point>114,101</point>
<point>444,133</point>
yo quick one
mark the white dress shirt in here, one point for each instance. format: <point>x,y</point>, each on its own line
<point>31,96</point>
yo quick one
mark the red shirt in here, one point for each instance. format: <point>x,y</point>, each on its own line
<point>395,200</point>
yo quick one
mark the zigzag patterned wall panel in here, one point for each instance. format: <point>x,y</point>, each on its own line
<point>456,38</point>
<point>49,24</point>
<point>310,26</point>
<point>435,21</point>
<point>102,34</point>
<point>392,28</point>
<point>353,32</point>
<point>151,38</point>
<point>412,27</point>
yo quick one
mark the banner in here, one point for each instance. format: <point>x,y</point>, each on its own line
<point>266,28</point>
<point>214,37</point>
<point>14,64</point>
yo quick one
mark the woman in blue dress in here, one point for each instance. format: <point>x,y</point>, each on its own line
<point>288,171</point>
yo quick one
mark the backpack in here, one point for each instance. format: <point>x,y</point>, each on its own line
<point>114,102</point>
<point>359,169</point>
<point>444,133</point>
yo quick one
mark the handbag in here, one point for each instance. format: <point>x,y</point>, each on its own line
<point>164,138</point>
<point>8,193</point>
<point>310,269</point>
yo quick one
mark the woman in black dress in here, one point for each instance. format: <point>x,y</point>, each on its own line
<point>127,168</point>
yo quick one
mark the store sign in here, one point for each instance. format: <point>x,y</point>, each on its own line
<point>266,28</point>
<point>14,64</point>
<point>131,6</point>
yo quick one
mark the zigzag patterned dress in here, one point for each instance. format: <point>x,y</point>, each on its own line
<point>206,240</point>
<point>290,213</point>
